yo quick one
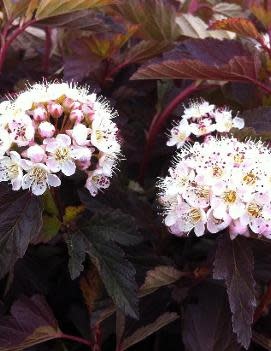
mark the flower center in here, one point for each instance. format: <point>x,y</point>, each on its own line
<point>250,178</point>
<point>239,158</point>
<point>62,154</point>
<point>203,192</point>
<point>13,170</point>
<point>229,196</point>
<point>39,174</point>
<point>254,210</point>
<point>195,215</point>
<point>181,136</point>
<point>217,172</point>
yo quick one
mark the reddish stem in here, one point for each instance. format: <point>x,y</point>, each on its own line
<point>160,120</point>
<point>5,45</point>
<point>47,51</point>
<point>264,304</point>
<point>76,339</point>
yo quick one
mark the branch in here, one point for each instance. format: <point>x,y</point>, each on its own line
<point>5,45</point>
<point>159,121</point>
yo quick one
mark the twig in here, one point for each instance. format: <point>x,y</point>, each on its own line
<point>47,51</point>
<point>265,302</point>
<point>76,339</point>
<point>160,120</point>
<point>7,42</point>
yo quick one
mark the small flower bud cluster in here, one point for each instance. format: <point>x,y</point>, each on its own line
<point>201,119</point>
<point>218,184</point>
<point>52,130</point>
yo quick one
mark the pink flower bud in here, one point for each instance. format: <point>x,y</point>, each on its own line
<point>68,104</point>
<point>88,111</point>
<point>40,114</point>
<point>46,129</point>
<point>55,109</point>
<point>76,115</point>
<point>36,153</point>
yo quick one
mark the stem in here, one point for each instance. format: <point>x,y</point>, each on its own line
<point>47,51</point>
<point>261,85</point>
<point>5,45</point>
<point>156,127</point>
<point>76,339</point>
<point>264,304</point>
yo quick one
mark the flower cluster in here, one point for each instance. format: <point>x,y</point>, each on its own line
<point>201,118</point>
<point>54,129</point>
<point>218,184</point>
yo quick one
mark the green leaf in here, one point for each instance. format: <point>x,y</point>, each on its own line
<point>20,223</point>
<point>155,17</point>
<point>49,8</point>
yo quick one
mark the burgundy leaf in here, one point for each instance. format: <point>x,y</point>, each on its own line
<point>31,322</point>
<point>207,321</point>
<point>240,26</point>
<point>234,263</point>
<point>20,223</point>
<point>203,59</point>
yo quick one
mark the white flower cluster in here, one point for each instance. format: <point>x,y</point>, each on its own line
<point>218,184</point>
<point>54,129</point>
<point>200,119</point>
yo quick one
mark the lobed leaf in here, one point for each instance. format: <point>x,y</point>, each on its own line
<point>240,26</point>
<point>155,17</point>
<point>194,27</point>
<point>97,240</point>
<point>207,322</point>
<point>49,8</point>
<point>234,264</point>
<point>149,329</point>
<point>210,59</point>
<point>20,223</point>
<point>160,276</point>
<point>31,322</point>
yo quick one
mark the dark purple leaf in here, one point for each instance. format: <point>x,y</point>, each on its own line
<point>31,322</point>
<point>203,59</point>
<point>20,223</point>
<point>234,263</point>
<point>207,321</point>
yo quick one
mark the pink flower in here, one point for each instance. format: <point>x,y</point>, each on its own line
<point>35,153</point>
<point>96,181</point>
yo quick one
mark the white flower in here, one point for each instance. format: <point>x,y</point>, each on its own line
<point>197,109</point>
<point>38,178</point>
<point>61,157</point>
<point>221,183</point>
<point>5,141</point>
<point>21,129</point>
<point>225,122</point>
<point>46,129</point>
<point>107,164</point>
<point>179,134</point>
<point>80,134</point>
<point>10,170</point>
<point>96,181</point>
<point>103,135</point>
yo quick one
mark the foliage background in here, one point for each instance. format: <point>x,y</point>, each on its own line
<point>103,273</point>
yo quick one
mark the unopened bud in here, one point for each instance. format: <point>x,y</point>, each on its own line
<point>76,115</point>
<point>40,114</point>
<point>55,109</point>
<point>46,130</point>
